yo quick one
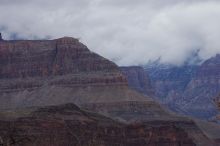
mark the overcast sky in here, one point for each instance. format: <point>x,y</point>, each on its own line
<point>129,32</point>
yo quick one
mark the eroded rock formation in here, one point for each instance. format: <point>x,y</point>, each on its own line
<point>68,125</point>
<point>188,89</point>
<point>52,72</point>
<point>138,79</point>
<point>217,101</point>
<point>34,72</point>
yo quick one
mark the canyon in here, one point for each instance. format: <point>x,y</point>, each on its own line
<point>58,92</point>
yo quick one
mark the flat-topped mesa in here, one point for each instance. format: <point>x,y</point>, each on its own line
<point>67,40</point>
<point>56,71</point>
<point>20,59</point>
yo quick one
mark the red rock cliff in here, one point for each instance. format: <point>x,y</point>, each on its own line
<point>67,125</point>
<point>20,59</point>
<point>52,72</point>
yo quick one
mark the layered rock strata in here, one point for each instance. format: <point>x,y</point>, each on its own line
<point>40,72</point>
<point>188,89</point>
<point>68,125</point>
<point>138,79</point>
<point>52,72</point>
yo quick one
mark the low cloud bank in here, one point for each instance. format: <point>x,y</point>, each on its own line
<point>125,31</point>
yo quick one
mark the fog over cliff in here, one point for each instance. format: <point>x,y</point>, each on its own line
<point>126,31</point>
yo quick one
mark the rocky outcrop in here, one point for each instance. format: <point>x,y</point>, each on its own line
<point>138,79</point>
<point>69,125</point>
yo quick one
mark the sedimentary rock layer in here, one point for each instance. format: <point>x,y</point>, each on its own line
<point>68,125</point>
<point>38,72</point>
<point>138,79</point>
<point>52,72</point>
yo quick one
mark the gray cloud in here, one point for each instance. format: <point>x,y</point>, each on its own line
<point>126,31</point>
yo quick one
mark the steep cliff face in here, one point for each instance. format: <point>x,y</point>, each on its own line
<point>138,79</point>
<point>169,82</point>
<point>68,125</point>
<point>188,89</point>
<point>22,59</point>
<point>52,72</point>
<point>39,72</point>
<point>217,101</point>
<point>203,87</point>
